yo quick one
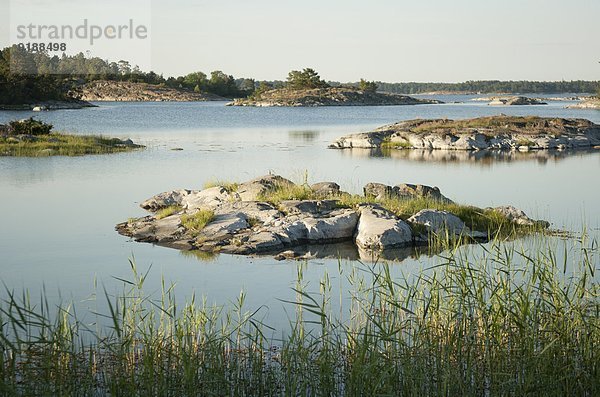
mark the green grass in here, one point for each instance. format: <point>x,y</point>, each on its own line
<point>230,187</point>
<point>197,221</point>
<point>503,322</point>
<point>389,144</point>
<point>168,211</point>
<point>484,220</point>
<point>498,123</point>
<point>57,144</point>
<point>289,192</point>
<point>525,142</point>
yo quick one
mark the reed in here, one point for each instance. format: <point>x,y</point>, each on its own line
<point>507,321</point>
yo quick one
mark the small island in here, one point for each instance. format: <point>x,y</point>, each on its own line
<point>483,133</point>
<point>128,91</point>
<point>33,138</point>
<point>271,215</point>
<point>305,88</point>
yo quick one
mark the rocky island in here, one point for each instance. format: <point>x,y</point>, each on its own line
<point>126,91</point>
<point>588,103</point>
<point>515,101</point>
<point>484,133</point>
<point>328,96</point>
<point>38,106</point>
<point>33,138</point>
<point>273,215</point>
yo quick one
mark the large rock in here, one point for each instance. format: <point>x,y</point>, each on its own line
<point>226,224</point>
<point>379,229</point>
<point>439,221</point>
<point>340,225</point>
<point>378,191</point>
<point>308,206</point>
<point>254,189</point>
<point>165,199</point>
<point>210,198</point>
<point>326,189</point>
<point>406,190</point>
<point>519,217</point>
<point>255,211</point>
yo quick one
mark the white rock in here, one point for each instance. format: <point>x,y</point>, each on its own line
<point>209,198</point>
<point>165,199</point>
<point>380,229</point>
<point>439,221</point>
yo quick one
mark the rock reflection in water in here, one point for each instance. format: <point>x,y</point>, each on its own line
<point>344,251</point>
<point>484,157</point>
<point>304,135</point>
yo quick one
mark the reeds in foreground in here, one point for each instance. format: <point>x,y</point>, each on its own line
<point>509,322</point>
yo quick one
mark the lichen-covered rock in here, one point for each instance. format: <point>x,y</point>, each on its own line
<point>379,229</point>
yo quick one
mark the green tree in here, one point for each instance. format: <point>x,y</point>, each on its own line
<point>194,79</point>
<point>307,78</point>
<point>369,86</point>
<point>223,84</point>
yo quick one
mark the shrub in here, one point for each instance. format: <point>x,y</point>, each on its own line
<point>29,126</point>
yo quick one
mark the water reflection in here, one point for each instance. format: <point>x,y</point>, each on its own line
<point>304,135</point>
<point>483,157</point>
<point>346,251</point>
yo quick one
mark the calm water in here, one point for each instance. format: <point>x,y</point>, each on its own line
<point>58,214</point>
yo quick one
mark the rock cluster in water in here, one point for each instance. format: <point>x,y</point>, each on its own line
<point>485,133</point>
<point>330,96</point>
<point>244,223</point>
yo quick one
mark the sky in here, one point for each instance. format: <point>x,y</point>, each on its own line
<point>384,40</point>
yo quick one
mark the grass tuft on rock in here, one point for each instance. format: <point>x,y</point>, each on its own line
<point>168,211</point>
<point>197,221</point>
<point>230,187</point>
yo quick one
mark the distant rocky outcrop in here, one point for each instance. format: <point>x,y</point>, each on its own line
<point>39,106</point>
<point>125,91</point>
<point>244,221</point>
<point>589,103</point>
<point>515,101</point>
<point>330,96</point>
<point>485,133</point>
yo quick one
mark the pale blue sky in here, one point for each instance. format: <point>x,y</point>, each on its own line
<point>386,40</point>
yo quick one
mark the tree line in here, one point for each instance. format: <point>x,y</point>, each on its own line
<point>494,86</point>
<point>36,76</point>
